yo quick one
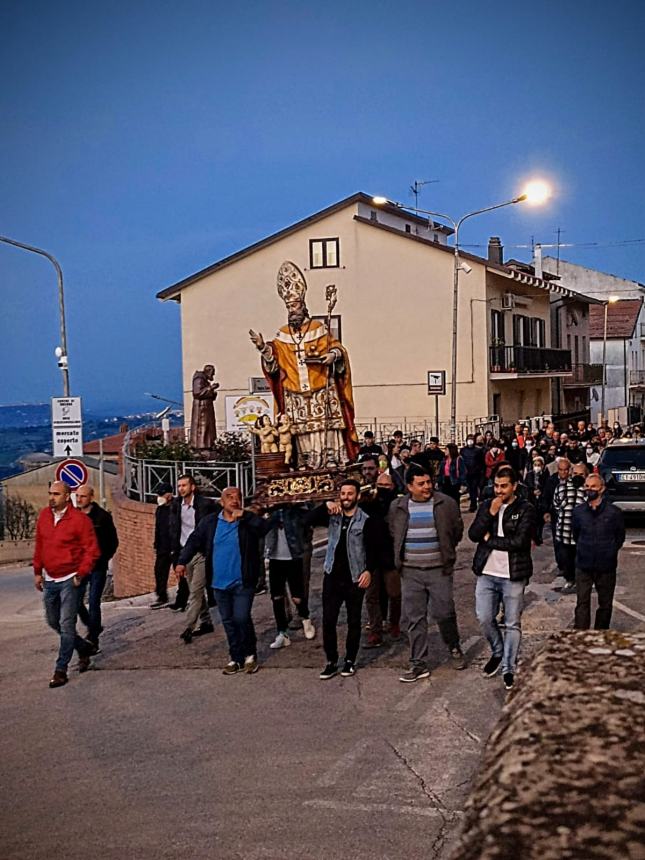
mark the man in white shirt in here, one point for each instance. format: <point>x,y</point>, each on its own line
<point>504,529</point>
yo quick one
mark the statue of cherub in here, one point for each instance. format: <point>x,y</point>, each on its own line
<point>285,437</point>
<point>267,434</point>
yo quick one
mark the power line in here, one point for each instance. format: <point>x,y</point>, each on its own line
<point>616,244</point>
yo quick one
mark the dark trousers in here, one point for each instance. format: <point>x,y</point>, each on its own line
<point>283,572</point>
<point>452,490</point>
<point>388,583</point>
<point>335,593</point>
<point>565,557</point>
<point>605,582</point>
<point>183,593</point>
<point>162,571</point>
<point>234,606</point>
<point>91,615</point>
<point>473,482</point>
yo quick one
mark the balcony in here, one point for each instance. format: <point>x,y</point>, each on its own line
<point>510,362</point>
<point>637,378</point>
<point>582,375</point>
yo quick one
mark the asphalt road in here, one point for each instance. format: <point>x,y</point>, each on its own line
<point>154,753</point>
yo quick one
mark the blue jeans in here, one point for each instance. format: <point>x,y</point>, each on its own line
<point>234,606</point>
<point>489,593</point>
<point>61,606</point>
<point>92,618</point>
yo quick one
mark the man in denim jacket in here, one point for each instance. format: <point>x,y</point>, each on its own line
<point>347,573</point>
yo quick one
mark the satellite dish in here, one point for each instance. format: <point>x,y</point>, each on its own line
<point>594,394</point>
<point>163,413</point>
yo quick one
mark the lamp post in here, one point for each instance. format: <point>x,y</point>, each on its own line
<point>536,192</point>
<point>609,301</point>
<point>62,351</point>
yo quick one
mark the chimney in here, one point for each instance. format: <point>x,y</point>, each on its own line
<point>495,251</point>
<point>537,261</point>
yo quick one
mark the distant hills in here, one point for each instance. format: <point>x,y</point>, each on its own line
<point>26,428</point>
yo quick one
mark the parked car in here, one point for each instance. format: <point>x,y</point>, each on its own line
<point>622,465</point>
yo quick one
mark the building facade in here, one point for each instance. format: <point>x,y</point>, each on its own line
<point>394,276</point>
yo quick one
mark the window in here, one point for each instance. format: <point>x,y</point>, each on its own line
<point>323,254</point>
<point>335,324</point>
<point>538,332</point>
<point>497,332</point>
<point>408,229</point>
<point>521,330</point>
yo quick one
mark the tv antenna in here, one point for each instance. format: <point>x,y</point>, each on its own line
<point>416,187</point>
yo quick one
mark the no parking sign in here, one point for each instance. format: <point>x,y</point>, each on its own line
<point>73,472</point>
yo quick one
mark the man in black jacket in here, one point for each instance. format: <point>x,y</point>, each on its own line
<point>185,515</point>
<point>503,529</point>
<point>108,542</point>
<point>599,532</point>
<point>162,545</point>
<point>229,539</point>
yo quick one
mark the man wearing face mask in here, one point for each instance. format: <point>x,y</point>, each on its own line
<point>162,545</point>
<point>566,497</point>
<point>473,457</point>
<point>385,585</point>
<point>599,532</point>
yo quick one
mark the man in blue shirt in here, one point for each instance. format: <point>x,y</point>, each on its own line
<point>229,538</point>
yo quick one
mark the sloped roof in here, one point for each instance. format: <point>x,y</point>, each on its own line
<point>621,319</point>
<point>111,445</point>
<point>173,291</point>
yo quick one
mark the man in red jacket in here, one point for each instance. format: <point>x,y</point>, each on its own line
<point>66,552</point>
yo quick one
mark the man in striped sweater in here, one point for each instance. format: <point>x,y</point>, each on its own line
<point>566,497</point>
<point>426,527</point>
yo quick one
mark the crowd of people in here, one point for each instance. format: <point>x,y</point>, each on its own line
<point>391,543</point>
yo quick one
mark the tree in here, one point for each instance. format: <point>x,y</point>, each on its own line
<point>19,518</point>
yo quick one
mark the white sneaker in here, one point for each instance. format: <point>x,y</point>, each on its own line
<point>308,627</point>
<point>281,641</point>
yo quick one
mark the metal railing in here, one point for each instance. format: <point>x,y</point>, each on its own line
<point>584,374</point>
<point>141,477</point>
<point>529,359</point>
<point>423,428</point>
<point>637,377</point>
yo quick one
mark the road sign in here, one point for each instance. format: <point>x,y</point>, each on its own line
<point>72,472</point>
<point>67,426</point>
<point>436,382</point>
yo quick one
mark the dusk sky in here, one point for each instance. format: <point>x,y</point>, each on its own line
<point>142,141</point>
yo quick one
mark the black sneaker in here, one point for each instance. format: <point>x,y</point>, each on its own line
<point>457,658</point>
<point>93,647</point>
<point>348,669</point>
<point>84,662</point>
<point>176,607</point>
<point>204,628</point>
<point>187,636</point>
<point>328,672</point>
<point>492,666</point>
<point>569,588</point>
<point>509,678</point>
<point>159,604</point>
<point>415,674</point>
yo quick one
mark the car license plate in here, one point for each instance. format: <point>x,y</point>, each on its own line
<point>631,476</point>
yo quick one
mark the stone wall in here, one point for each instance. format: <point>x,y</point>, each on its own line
<point>16,551</point>
<point>133,565</point>
<point>563,775</point>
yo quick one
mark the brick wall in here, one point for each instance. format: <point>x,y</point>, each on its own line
<point>133,565</point>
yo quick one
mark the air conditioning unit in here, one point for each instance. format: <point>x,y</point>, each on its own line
<point>508,302</point>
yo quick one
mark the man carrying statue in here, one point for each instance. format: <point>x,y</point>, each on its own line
<point>309,374</point>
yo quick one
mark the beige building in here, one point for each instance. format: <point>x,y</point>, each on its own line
<point>394,275</point>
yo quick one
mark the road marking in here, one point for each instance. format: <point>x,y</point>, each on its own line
<point>628,611</point>
<point>344,763</point>
<point>343,806</point>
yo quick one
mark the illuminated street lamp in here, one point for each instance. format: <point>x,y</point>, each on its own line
<point>610,301</point>
<point>535,193</point>
<point>61,350</point>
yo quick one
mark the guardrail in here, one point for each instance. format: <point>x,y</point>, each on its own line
<point>529,359</point>
<point>141,477</point>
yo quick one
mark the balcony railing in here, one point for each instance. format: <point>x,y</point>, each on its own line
<point>637,377</point>
<point>584,374</point>
<point>529,359</point>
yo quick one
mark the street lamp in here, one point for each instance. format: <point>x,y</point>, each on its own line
<point>535,192</point>
<point>609,301</point>
<point>61,351</point>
